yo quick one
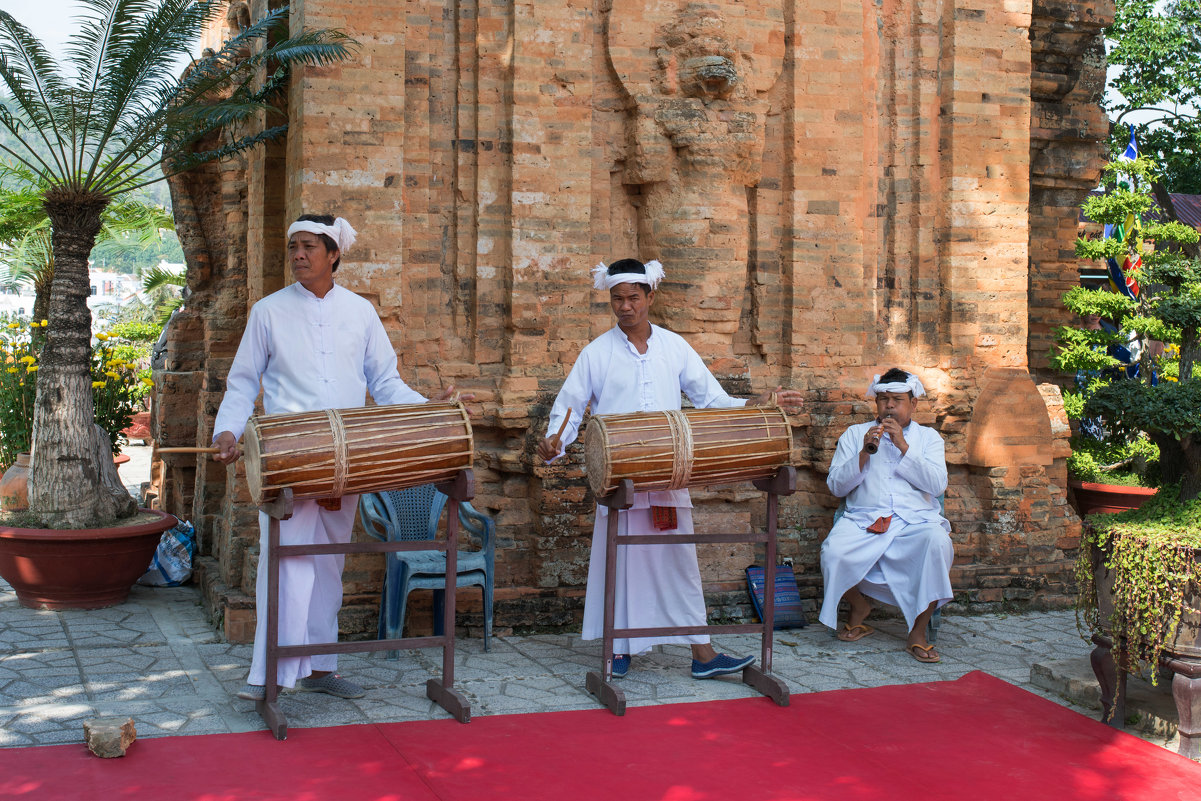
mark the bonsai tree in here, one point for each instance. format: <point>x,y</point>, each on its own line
<point>1161,319</point>
<point>121,120</point>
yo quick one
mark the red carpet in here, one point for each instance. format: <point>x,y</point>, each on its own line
<point>976,738</point>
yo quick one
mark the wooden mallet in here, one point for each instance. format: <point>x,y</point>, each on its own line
<point>559,433</point>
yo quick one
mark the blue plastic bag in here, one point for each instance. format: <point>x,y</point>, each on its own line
<point>172,562</point>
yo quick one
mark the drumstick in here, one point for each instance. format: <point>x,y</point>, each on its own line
<point>563,425</point>
<point>182,449</point>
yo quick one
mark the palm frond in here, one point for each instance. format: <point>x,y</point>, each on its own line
<point>144,60</point>
<point>134,222</point>
<point>32,257</point>
<point>37,89</point>
<point>156,278</point>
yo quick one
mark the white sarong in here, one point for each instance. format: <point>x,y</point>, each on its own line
<point>657,585</point>
<point>311,592</point>
<point>907,566</point>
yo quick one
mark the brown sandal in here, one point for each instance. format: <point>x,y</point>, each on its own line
<point>923,653</point>
<point>852,633</point>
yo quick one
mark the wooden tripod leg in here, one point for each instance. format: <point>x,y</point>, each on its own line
<point>760,676</point>
<point>442,692</point>
<point>601,684</point>
<point>268,708</point>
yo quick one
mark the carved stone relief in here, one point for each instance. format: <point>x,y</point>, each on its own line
<point>697,75</point>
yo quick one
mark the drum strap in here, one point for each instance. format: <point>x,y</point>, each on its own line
<point>682,459</point>
<point>339,436</point>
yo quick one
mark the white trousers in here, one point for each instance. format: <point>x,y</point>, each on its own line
<point>908,566</point>
<point>310,590</point>
<point>657,585</point>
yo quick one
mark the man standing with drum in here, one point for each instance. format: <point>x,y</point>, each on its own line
<point>312,345</point>
<point>640,367</point>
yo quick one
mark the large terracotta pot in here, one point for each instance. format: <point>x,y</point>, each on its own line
<point>14,485</point>
<point>1094,499</point>
<point>78,568</point>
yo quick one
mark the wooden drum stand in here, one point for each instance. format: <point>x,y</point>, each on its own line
<point>600,684</point>
<point>460,488</point>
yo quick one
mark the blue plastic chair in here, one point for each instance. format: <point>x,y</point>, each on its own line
<point>413,514</point>
<point>936,618</point>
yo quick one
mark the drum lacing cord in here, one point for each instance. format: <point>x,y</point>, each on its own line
<point>339,435</point>
<point>682,456</point>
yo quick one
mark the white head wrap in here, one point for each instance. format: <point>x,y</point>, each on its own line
<point>340,232</point>
<point>912,384</point>
<point>602,280</point>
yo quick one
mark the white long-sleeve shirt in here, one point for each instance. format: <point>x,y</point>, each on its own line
<point>891,484</point>
<point>310,353</point>
<point>614,378</point>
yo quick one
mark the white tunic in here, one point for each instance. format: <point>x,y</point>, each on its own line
<point>308,353</point>
<point>909,564</point>
<point>657,585</point>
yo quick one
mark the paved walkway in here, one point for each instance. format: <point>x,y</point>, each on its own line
<point>156,659</point>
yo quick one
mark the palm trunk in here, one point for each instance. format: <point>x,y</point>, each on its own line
<point>41,304</point>
<point>66,489</point>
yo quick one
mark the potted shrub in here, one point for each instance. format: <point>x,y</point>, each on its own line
<point>1137,570</point>
<point>81,567</point>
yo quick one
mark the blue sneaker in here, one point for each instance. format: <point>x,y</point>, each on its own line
<point>621,666</point>
<point>719,665</point>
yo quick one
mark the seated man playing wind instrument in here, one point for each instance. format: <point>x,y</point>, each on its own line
<point>892,544</point>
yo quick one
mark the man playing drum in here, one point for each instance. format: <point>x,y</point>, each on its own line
<point>312,345</point>
<point>635,367</point>
<point>891,544</point>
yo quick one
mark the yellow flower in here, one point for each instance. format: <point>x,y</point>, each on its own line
<point>44,323</point>
<point>111,374</point>
<point>33,368</point>
<point>96,384</point>
<point>148,381</point>
<point>14,325</point>
<point>27,359</point>
<point>102,337</point>
<point>12,369</point>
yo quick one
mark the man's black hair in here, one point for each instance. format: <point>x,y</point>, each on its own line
<point>326,239</point>
<point>630,266</point>
<point>896,376</point>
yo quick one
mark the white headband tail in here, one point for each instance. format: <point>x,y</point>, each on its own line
<point>341,232</point>
<point>602,280</point>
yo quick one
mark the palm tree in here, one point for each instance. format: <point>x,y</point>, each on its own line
<point>121,121</point>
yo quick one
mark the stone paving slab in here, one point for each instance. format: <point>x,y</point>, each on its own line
<point>156,659</point>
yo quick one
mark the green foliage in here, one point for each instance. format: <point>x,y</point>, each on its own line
<point>119,385</point>
<point>136,332</point>
<point>1156,50</point>
<point>1073,404</point>
<point>17,368</point>
<point>1163,324</point>
<point>1151,556</point>
<point>1172,408</point>
<point>1115,460</point>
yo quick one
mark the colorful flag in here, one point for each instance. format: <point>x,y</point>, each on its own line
<point>1122,277</point>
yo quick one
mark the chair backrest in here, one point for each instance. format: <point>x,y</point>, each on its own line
<point>413,514</point>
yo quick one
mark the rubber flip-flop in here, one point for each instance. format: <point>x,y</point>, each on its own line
<point>923,653</point>
<point>853,633</point>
